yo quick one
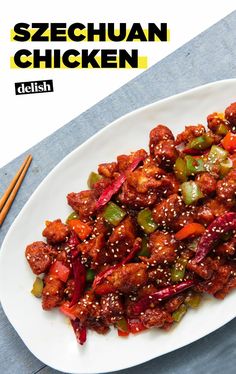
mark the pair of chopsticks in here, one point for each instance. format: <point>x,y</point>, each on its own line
<point>11,191</point>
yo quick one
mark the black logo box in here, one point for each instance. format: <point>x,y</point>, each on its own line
<point>25,88</point>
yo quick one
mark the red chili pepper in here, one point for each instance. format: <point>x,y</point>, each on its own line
<point>79,273</point>
<point>80,331</point>
<point>195,152</point>
<point>103,274</point>
<point>114,187</point>
<point>136,247</point>
<point>60,270</point>
<point>72,243</point>
<point>214,231</point>
<point>160,295</point>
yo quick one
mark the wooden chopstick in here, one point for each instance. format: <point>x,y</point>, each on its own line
<point>10,193</point>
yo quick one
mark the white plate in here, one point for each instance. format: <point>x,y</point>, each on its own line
<point>47,334</point>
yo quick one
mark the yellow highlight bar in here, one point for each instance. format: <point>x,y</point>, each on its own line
<point>84,32</point>
<point>142,63</point>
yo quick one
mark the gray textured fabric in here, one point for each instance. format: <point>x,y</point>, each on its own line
<point>209,57</point>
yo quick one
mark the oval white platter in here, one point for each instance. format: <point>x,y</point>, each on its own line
<point>48,335</point>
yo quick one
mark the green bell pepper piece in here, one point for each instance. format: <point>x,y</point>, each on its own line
<point>37,287</point>
<point>178,270</point>
<point>122,325</point>
<point>193,245</point>
<point>144,251</point>
<point>194,165</point>
<point>222,129</point>
<point>146,221</point>
<point>180,169</point>
<point>191,192</point>
<point>178,314</point>
<point>71,216</point>
<point>201,142</point>
<point>93,178</point>
<point>90,274</point>
<point>193,299</point>
<point>217,154</point>
<point>113,214</point>
<point>225,167</point>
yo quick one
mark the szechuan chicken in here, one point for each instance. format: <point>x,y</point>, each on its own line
<point>154,232</point>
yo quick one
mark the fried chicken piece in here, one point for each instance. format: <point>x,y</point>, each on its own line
<point>88,311</point>
<point>155,317</point>
<point>56,231</point>
<point>159,133</point>
<point>218,281</point>
<point>129,278</point>
<point>203,269</point>
<point>142,180</point>
<point>206,183</point>
<point>204,215</point>
<point>216,207</point>
<point>53,292</point>
<point>215,119</point>
<point>165,153</point>
<point>40,256</point>
<point>111,307</point>
<point>124,161</point>
<point>166,212</point>
<point>230,285</point>
<point>228,248</point>
<point>174,303</point>
<point>230,114</point>
<point>94,252</point>
<point>133,199</point>
<point>163,248</point>
<point>226,189</point>
<point>190,133</point>
<point>122,238</point>
<point>108,169</point>
<point>84,202</point>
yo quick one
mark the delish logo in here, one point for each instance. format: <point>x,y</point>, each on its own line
<point>22,88</point>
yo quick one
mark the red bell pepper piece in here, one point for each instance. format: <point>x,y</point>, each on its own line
<point>82,229</point>
<point>67,310</point>
<point>103,274</point>
<point>79,273</point>
<point>233,159</point>
<point>114,187</point>
<point>80,331</point>
<point>135,325</point>
<point>214,231</point>
<point>229,142</point>
<point>60,270</point>
<point>160,295</point>
<point>123,333</point>
<point>191,229</point>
